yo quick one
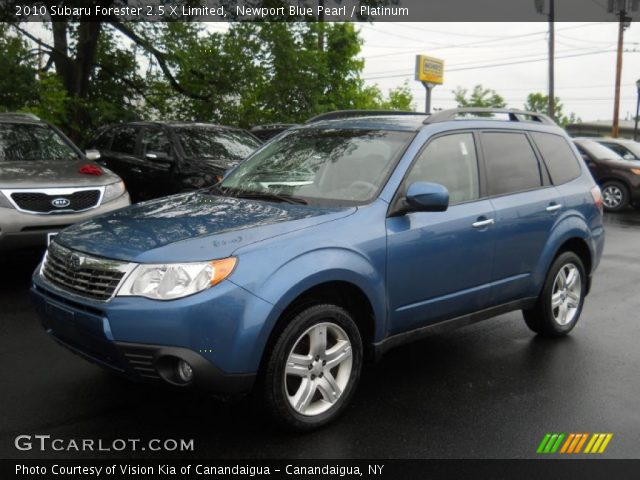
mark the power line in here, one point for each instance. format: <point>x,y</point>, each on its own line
<point>495,64</point>
<point>469,44</point>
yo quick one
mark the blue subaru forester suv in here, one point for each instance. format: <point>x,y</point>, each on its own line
<point>330,244</point>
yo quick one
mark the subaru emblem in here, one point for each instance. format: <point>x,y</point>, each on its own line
<point>74,261</point>
<point>60,202</point>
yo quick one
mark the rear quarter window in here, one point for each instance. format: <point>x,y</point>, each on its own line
<point>558,156</point>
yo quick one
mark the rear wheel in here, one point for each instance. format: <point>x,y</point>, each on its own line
<point>313,369</point>
<point>615,196</point>
<point>560,303</point>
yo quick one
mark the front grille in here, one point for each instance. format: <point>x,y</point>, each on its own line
<point>40,202</point>
<point>87,276</point>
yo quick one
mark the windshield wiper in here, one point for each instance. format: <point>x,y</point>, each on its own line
<point>279,197</point>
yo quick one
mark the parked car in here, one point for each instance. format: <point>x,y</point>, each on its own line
<point>627,149</point>
<point>156,159</point>
<point>618,178</point>
<point>336,241</point>
<point>267,132</point>
<point>47,183</point>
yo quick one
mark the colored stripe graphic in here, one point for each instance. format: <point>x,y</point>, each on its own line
<point>598,443</point>
<point>550,443</point>
<point>573,443</point>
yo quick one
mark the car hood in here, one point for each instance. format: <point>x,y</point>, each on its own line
<point>50,173</point>
<point>190,227</point>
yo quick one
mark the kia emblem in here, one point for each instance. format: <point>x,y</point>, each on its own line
<point>60,202</point>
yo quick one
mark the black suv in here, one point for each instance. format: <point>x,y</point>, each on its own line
<point>156,159</point>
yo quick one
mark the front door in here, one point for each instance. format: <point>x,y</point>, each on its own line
<point>439,263</point>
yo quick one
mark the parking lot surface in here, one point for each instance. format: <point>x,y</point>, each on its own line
<point>491,390</point>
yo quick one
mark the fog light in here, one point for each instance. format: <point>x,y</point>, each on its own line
<point>185,372</point>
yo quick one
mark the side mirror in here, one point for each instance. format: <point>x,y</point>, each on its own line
<point>92,155</point>
<point>427,197</point>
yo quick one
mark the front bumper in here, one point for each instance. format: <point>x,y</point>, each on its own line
<point>26,230</point>
<point>214,331</point>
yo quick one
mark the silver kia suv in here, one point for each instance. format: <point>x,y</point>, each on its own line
<point>47,183</point>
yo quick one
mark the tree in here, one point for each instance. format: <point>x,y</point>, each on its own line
<point>253,73</point>
<point>537,102</point>
<point>480,97</point>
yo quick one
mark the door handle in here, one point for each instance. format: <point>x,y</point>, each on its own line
<point>554,207</point>
<point>483,223</point>
<point>136,170</point>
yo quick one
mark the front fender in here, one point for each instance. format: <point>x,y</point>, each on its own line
<point>314,268</point>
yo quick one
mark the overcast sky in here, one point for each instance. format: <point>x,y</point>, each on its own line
<point>584,79</point>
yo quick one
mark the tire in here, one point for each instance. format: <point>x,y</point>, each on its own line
<point>615,196</point>
<point>548,320</point>
<point>299,392</point>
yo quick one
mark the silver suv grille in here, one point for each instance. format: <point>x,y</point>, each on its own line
<point>91,277</point>
<point>55,200</point>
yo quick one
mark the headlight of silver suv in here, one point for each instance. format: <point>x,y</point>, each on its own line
<point>169,281</point>
<point>113,191</point>
<point>4,201</point>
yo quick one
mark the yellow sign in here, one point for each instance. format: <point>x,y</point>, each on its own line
<point>429,69</point>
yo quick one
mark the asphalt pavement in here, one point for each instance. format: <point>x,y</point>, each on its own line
<point>491,390</point>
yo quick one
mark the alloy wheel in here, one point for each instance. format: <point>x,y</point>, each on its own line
<point>318,369</point>
<point>566,294</point>
<point>612,196</point>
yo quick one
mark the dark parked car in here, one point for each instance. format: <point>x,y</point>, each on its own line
<point>618,177</point>
<point>337,239</point>
<point>156,159</point>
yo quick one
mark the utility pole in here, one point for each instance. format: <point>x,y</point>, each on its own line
<point>620,8</point>
<point>551,97</point>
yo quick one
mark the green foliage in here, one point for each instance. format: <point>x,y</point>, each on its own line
<point>18,78</point>
<point>480,97</point>
<point>538,102</point>
<point>254,73</point>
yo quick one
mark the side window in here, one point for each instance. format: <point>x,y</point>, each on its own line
<point>102,141</point>
<point>155,140</point>
<point>511,164</point>
<point>557,154</point>
<point>450,161</point>
<point>124,140</point>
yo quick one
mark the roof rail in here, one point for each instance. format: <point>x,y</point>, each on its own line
<point>340,114</point>
<point>513,115</point>
<point>19,115</point>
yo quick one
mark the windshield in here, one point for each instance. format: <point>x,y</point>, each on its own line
<point>21,142</point>
<point>211,142</point>
<point>321,166</point>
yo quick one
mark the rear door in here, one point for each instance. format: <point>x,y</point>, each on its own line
<point>439,263</point>
<point>526,207</point>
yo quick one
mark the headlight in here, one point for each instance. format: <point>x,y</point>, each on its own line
<point>175,280</point>
<point>113,191</point>
<point>4,201</point>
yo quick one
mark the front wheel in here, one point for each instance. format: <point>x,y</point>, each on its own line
<point>313,369</point>
<point>560,303</point>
